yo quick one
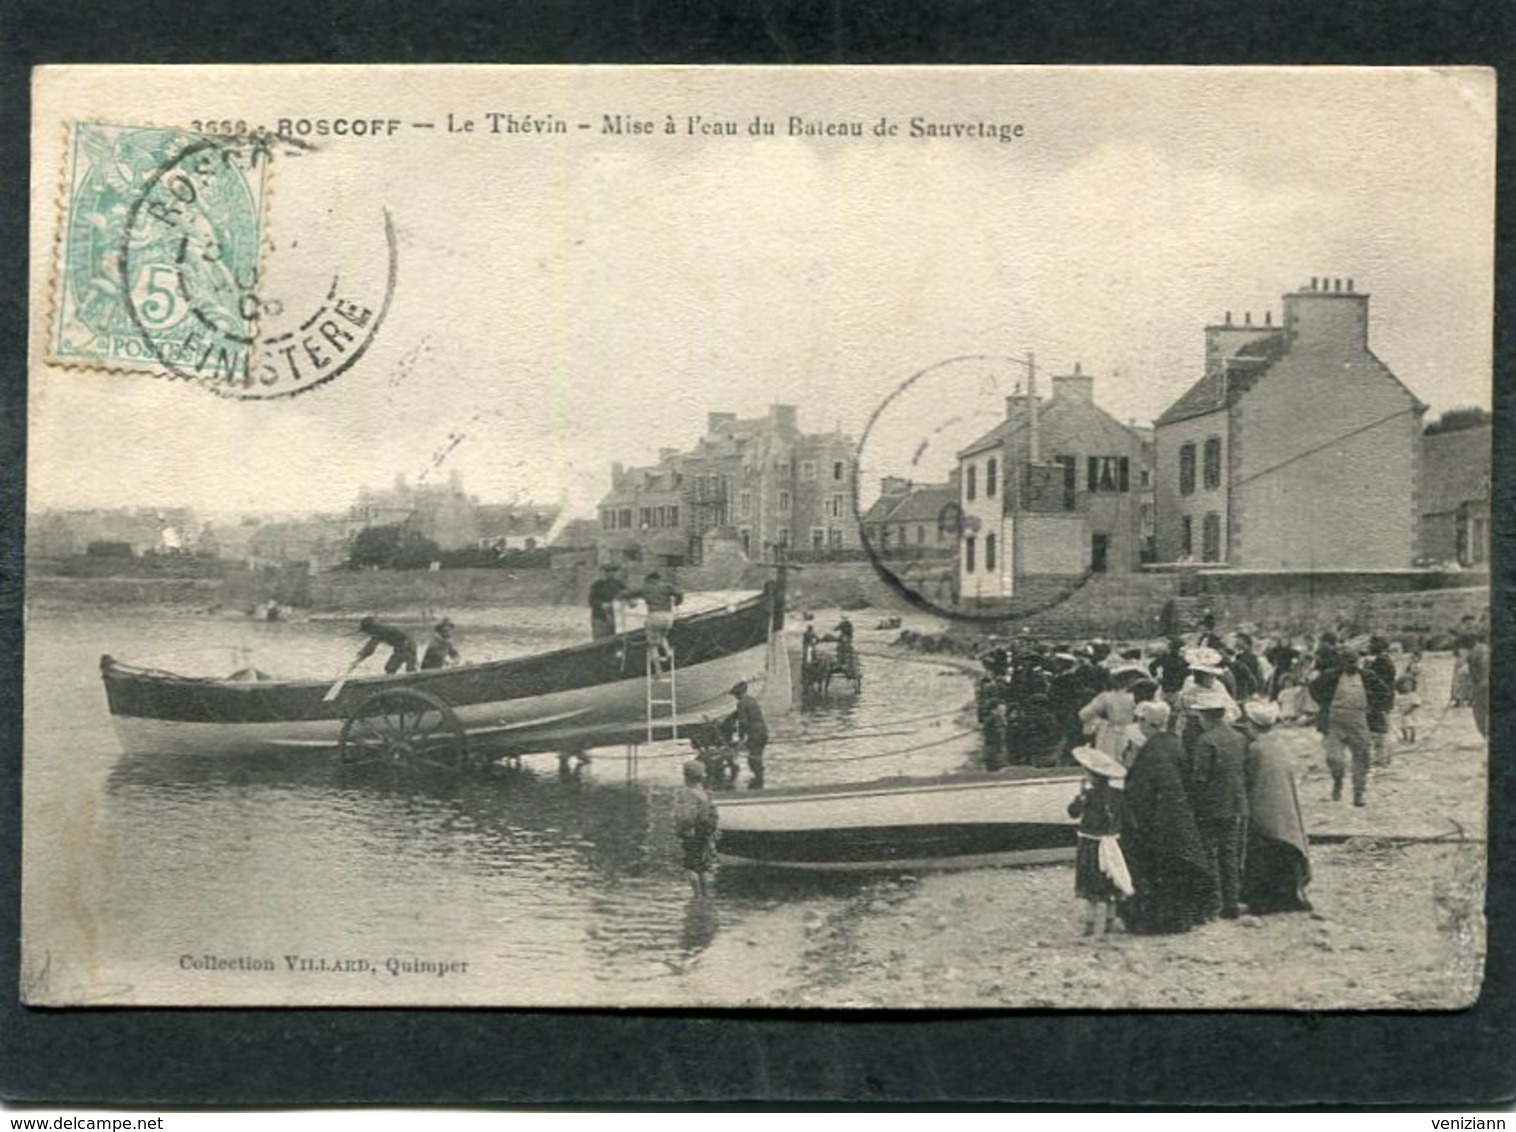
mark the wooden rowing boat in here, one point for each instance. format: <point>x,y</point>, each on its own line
<point>1014,816</point>
<point>587,695</point>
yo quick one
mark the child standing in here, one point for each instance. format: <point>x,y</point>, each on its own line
<point>1100,872</point>
<point>1408,697</point>
<point>695,822</point>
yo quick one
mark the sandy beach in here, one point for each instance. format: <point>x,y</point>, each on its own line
<point>1398,923</point>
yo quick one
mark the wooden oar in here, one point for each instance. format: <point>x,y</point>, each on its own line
<point>336,689</point>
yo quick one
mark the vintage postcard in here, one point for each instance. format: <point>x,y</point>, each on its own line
<point>981,538</point>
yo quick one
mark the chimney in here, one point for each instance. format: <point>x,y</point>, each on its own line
<point>785,417</point>
<point>618,470</point>
<point>1334,318</point>
<point>1077,385</point>
<point>894,485</point>
<point>1223,342</point>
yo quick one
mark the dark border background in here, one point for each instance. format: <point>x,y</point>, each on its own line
<point>158,1058</point>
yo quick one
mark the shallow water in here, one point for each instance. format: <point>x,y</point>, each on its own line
<point>169,880</point>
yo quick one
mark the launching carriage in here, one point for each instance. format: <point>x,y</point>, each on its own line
<point>599,693</point>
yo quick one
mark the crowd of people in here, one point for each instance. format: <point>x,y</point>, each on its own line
<point>1190,808</point>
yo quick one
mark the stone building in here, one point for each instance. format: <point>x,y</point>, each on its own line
<point>1455,497</point>
<point>443,513</point>
<point>1057,490</point>
<point>762,481</point>
<point>911,520</point>
<point>1296,449</point>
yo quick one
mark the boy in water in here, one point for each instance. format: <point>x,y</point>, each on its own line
<point>695,823</point>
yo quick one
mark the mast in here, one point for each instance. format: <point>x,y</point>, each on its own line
<point>1031,400</point>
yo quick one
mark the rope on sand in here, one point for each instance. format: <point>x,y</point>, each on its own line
<point>1454,836</point>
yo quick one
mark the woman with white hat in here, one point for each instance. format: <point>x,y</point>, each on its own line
<point>1100,872</point>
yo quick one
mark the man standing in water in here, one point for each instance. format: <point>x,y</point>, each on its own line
<point>402,648</point>
<point>753,729</point>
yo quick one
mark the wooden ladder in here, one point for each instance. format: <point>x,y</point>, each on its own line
<point>662,692</point>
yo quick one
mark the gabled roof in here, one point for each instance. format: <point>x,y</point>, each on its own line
<point>1088,418</point>
<point>884,506</point>
<point>925,503</point>
<point>1220,389</point>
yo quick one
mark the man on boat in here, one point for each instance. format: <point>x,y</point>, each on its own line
<point>440,650</point>
<point>402,648</point>
<point>753,729</point>
<point>604,592</point>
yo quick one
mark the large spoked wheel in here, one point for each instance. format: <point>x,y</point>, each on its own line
<point>405,728</point>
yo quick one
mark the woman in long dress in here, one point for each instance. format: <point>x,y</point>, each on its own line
<point>1278,861</point>
<point>1175,886</point>
<point>1105,719</point>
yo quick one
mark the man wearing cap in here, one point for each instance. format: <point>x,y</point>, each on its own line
<point>753,729</point>
<point>402,648</point>
<point>1217,787</point>
<point>604,591</point>
<point>1343,694</point>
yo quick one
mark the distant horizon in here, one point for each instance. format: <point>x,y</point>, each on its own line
<point>219,514</point>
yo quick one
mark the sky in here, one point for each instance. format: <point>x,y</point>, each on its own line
<point>565,302</point>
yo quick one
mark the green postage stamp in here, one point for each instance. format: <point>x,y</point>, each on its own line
<point>159,251</point>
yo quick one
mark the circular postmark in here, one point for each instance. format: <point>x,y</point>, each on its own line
<point>215,297</point>
<point>946,474</point>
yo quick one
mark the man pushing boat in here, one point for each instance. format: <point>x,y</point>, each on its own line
<point>402,648</point>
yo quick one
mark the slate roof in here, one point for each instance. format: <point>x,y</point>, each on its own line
<point>1072,413</point>
<point>1221,389</point>
<point>923,504</point>
<point>884,506</point>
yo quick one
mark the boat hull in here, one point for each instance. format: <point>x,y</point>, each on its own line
<point>1018,816</point>
<point>589,695</point>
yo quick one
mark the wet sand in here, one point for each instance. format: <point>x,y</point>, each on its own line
<point>1398,923</point>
